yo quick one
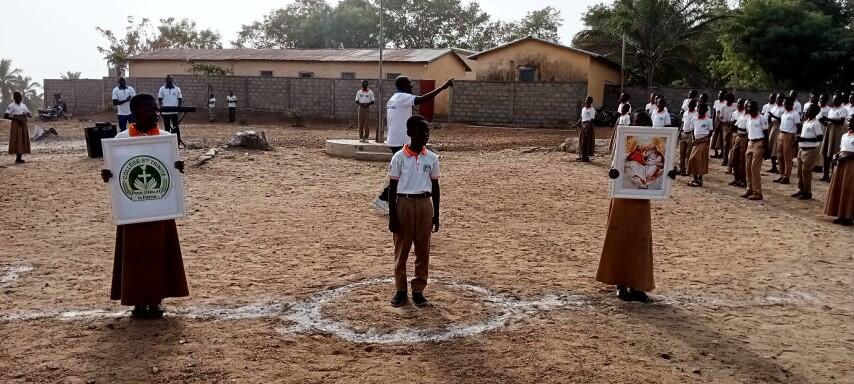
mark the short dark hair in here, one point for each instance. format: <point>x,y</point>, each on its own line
<point>16,93</point>
<point>641,118</point>
<point>141,98</point>
<point>416,121</point>
<point>400,81</point>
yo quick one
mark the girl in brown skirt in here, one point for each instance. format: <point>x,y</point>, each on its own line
<point>19,135</point>
<point>147,264</point>
<point>834,120</point>
<point>698,163</point>
<point>840,195</point>
<point>626,259</point>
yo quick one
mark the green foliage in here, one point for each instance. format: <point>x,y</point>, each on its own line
<point>7,81</point>
<point>408,24</point>
<point>12,80</point>
<point>662,36</point>
<point>142,37</point>
<point>205,69</point>
<point>69,75</point>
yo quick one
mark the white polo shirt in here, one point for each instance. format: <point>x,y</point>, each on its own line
<point>688,120</point>
<point>798,107</point>
<point>122,95</point>
<point>365,97</point>
<point>847,144</point>
<point>15,109</point>
<point>588,114</point>
<point>660,119</point>
<point>650,108</point>
<point>767,108</point>
<point>170,97</point>
<point>398,110</point>
<point>837,113</point>
<point>414,172</point>
<point>726,112</point>
<point>702,127</point>
<point>739,118</point>
<point>212,102</point>
<point>811,130</point>
<point>620,107</point>
<point>232,101</point>
<point>625,119</point>
<point>850,108</point>
<point>824,112</point>
<point>789,121</point>
<point>685,104</point>
<point>756,127</point>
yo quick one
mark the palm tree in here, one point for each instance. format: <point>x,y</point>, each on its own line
<point>657,33</point>
<point>70,75</point>
<point>30,91</point>
<point>7,80</point>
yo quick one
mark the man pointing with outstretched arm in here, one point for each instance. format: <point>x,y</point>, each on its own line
<point>398,111</point>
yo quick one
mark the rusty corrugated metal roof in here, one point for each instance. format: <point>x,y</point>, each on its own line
<point>343,55</point>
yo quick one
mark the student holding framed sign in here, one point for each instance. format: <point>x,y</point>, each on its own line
<point>147,196</point>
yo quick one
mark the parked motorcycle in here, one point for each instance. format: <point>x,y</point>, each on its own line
<point>55,112</point>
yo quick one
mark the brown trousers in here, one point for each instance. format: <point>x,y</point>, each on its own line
<point>753,162</point>
<point>586,140</point>
<point>739,147</point>
<point>364,120</point>
<point>786,152</point>
<point>717,135</point>
<point>807,158</point>
<point>686,144</point>
<point>728,132</point>
<point>416,224</point>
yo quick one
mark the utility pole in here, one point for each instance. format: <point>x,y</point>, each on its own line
<point>381,104</point>
<point>623,66</point>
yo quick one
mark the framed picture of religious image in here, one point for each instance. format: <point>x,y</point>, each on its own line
<point>643,155</point>
<point>145,185</point>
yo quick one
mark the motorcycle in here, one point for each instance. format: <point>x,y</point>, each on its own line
<point>55,112</point>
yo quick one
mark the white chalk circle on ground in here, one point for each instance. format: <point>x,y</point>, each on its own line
<point>308,315</point>
<point>10,273</point>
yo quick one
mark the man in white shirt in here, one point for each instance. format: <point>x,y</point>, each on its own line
<point>660,118</point>
<point>808,140</point>
<point>364,100</point>
<point>757,135</point>
<point>789,121</point>
<point>686,136</point>
<point>212,108</point>
<point>624,99</point>
<point>692,95</point>
<point>170,96</point>
<point>121,99</point>
<point>651,107</point>
<point>398,111</point>
<point>586,136</point>
<point>232,106</point>
<point>797,105</point>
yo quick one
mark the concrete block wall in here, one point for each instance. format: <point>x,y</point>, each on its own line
<point>546,104</point>
<point>315,97</point>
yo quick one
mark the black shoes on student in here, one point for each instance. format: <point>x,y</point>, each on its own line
<point>801,195</point>
<point>147,312</point>
<point>783,180</point>
<point>399,299</point>
<point>844,222</point>
<point>628,294</point>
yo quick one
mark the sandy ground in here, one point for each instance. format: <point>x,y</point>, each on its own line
<point>286,262</point>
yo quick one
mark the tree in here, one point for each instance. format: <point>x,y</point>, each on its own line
<point>432,23</point>
<point>69,75</point>
<point>302,24</point>
<point>29,90</point>
<point>209,70</point>
<point>542,24</point>
<point>7,80</point>
<point>660,35</point>
<point>140,37</point>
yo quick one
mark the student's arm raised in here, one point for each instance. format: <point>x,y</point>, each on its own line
<point>427,97</point>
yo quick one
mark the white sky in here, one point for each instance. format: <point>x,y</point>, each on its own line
<point>59,35</point>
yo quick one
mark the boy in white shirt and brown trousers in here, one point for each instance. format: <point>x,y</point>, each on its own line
<point>789,121</point>
<point>757,135</point>
<point>810,138</point>
<point>586,136</point>
<point>414,209</point>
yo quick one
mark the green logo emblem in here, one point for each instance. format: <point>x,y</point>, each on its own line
<point>144,178</point>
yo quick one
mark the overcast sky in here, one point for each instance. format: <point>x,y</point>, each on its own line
<point>59,35</point>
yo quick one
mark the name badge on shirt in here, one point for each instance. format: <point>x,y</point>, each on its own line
<point>426,168</point>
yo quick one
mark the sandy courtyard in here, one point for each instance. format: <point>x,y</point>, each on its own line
<point>288,269</point>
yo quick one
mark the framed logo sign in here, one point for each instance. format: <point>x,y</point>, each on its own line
<point>145,184</point>
<point>643,155</point>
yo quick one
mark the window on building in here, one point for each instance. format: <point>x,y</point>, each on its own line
<point>392,76</point>
<point>527,74</point>
<point>266,74</point>
<point>348,75</point>
<point>306,74</point>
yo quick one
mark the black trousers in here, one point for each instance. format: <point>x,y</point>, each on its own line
<point>170,122</point>
<point>231,114</point>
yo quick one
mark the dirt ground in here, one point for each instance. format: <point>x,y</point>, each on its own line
<point>281,248</point>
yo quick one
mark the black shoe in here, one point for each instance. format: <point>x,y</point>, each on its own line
<point>639,296</point>
<point>138,312</point>
<point>733,183</point>
<point>747,194</point>
<point>773,170</point>
<point>844,222</point>
<point>777,180</point>
<point>623,293</point>
<point>805,196</point>
<point>785,181</point>
<point>153,312</point>
<point>798,194</point>
<point>399,299</point>
<point>419,300</point>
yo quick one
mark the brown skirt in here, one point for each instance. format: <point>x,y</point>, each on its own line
<point>19,139</point>
<point>627,253</point>
<point>840,195</point>
<point>772,137</point>
<point>148,265</point>
<point>832,139</point>
<point>698,163</point>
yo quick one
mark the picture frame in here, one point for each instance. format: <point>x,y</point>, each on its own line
<point>643,156</point>
<point>145,185</point>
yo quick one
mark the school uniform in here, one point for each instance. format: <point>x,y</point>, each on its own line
<point>849,107</point>
<point>622,120</point>
<point>170,98</point>
<point>626,258</point>
<point>786,146</point>
<point>717,135</point>
<point>620,107</point>
<point>650,108</point>
<point>660,119</point>
<point>840,194</point>
<point>698,163</point>
<point>398,111</point>
<point>739,147</point>
<point>147,265</point>
<point>364,98</point>
<point>754,157</point>
<point>231,101</point>
<point>19,134</point>
<point>212,109</point>
<point>774,132</point>
<point>727,130</point>
<point>685,105</point>
<point>808,154</point>
<point>798,107</point>
<point>832,138</point>
<point>586,136</point>
<point>414,173</point>
<point>123,110</point>
<point>686,138</point>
